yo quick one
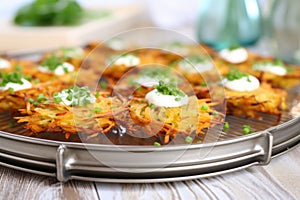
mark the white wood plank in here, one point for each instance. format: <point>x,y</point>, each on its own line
<point>20,185</point>
<point>275,181</point>
<point>286,170</point>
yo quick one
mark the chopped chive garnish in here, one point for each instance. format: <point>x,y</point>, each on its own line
<point>139,88</point>
<point>226,126</point>
<point>14,77</point>
<point>41,97</point>
<point>236,75</point>
<point>203,84</point>
<point>11,124</point>
<point>177,99</point>
<point>188,139</point>
<point>97,109</point>
<point>57,99</point>
<point>69,97</point>
<point>156,144</point>
<point>36,81</point>
<point>52,62</point>
<point>169,89</point>
<point>28,77</point>
<point>65,69</point>
<point>11,90</point>
<point>152,106</point>
<point>35,103</point>
<point>97,94</point>
<point>204,107</point>
<point>19,67</point>
<point>30,100</point>
<point>246,129</point>
<point>103,85</point>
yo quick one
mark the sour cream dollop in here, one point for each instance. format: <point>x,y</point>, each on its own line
<point>117,44</point>
<point>162,100</point>
<point>73,52</point>
<point>244,84</point>
<point>4,64</point>
<point>235,56</point>
<point>147,81</point>
<point>59,70</point>
<point>177,48</point>
<point>195,65</point>
<point>75,96</point>
<point>270,68</point>
<point>128,60</point>
<point>16,86</point>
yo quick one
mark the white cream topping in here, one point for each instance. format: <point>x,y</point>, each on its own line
<point>244,84</point>
<point>128,60</point>
<point>177,48</point>
<point>162,100</point>
<point>147,81</point>
<point>4,64</point>
<point>16,86</point>
<point>195,67</point>
<point>64,97</point>
<point>117,44</point>
<point>271,68</point>
<point>234,56</point>
<point>75,52</point>
<point>60,70</point>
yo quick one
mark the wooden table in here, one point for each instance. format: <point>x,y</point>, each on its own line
<point>278,180</point>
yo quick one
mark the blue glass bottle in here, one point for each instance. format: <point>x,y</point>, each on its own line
<point>225,23</point>
<point>285,30</point>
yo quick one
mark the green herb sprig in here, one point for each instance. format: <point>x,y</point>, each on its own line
<point>236,75</point>
<point>14,77</point>
<point>169,89</point>
<point>52,62</point>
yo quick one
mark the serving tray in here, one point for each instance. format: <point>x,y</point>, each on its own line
<point>231,151</point>
<point>219,153</point>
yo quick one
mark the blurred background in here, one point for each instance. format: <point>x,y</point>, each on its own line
<point>254,23</point>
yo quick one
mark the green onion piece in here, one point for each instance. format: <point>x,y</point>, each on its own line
<point>14,77</point>
<point>52,62</point>
<point>41,97</point>
<point>11,124</point>
<point>36,81</point>
<point>103,85</point>
<point>57,99</point>
<point>97,109</point>
<point>246,129</point>
<point>204,107</point>
<point>97,94</point>
<point>236,75</point>
<point>226,126</point>
<point>19,67</point>
<point>156,144</point>
<point>35,103</point>
<point>169,89</point>
<point>203,84</point>
<point>11,90</point>
<point>188,139</point>
<point>177,99</point>
<point>152,106</point>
